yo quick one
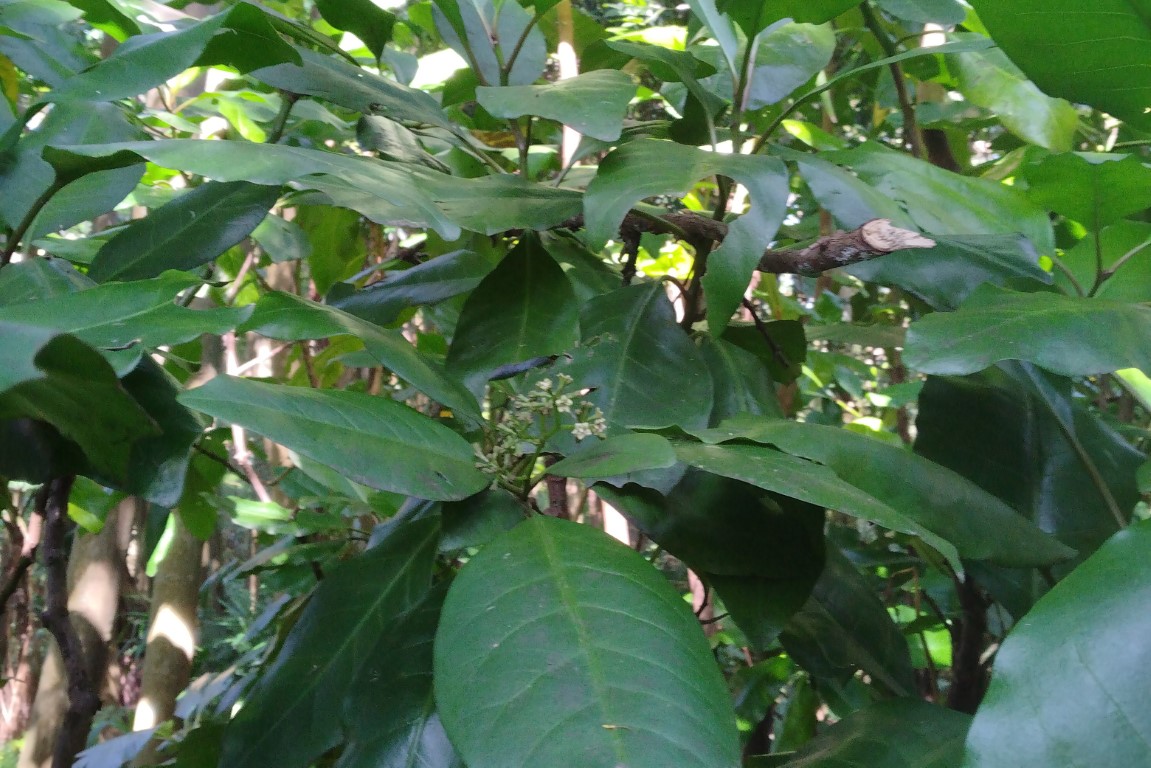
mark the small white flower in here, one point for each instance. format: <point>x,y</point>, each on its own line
<point>544,385</point>
<point>564,380</point>
<point>581,430</point>
<point>564,404</point>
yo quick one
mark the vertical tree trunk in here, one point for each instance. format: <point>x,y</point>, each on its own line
<point>94,574</point>
<point>172,631</point>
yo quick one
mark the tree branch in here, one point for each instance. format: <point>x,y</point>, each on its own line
<point>838,249</point>
<point>83,696</point>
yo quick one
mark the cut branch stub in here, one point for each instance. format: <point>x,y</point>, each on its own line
<point>839,249</point>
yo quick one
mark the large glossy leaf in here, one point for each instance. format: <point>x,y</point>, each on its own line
<point>56,378</point>
<point>742,382</point>
<point>363,18</point>
<point>945,275</point>
<point>556,623</point>
<point>1094,711</point>
<point>1064,334</point>
<point>342,83</point>
<point>788,56</point>
<point>594,103</point>
<point>645,371</point>
<point>755,15</point>
<point>1019,434</point>
<point>844,627</point>
<point>718,525</point>
<point>945,203</point>
<point>945,12</point>
<point>85,199</point>
<point>191,230</point>
<point>1131,282</point>
<point>124,314</point>
<point>291,318</point>
<point>389,709</point>
<point>980,525</point>
<point>1094,189</point>
<point>523,309</point>
<point>988,79</point>
<point>930,736</point>
<point>372,440</point>
<point>647,167</point>
<point>618,455</point>
<point>429,283</point>
<point>475,28</point>
<point>671,65</point>
<point>1086,54</point>
<point>386,192</point>
<point>295,712</point>
<point>807,481</point>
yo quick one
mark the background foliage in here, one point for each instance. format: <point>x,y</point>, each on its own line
<point>395,308</point>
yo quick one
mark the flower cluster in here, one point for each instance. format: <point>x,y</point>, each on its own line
<point>528,421</point>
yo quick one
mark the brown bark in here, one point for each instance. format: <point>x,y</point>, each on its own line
<point>94,573</point>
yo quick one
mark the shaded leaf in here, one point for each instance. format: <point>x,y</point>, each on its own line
<point>433,281</point>
<point>935,497</point>
<point>363,18</point>
<point>55,378</point>
<point>617,455</point>
<point>1078,55</point>
<point>644,369</point>
<point>742,383</point>
<point>371,440</point>
<point>1070,335</point>
<point>191,230</point>
<point>988,79</point>
<point>844,627</point>
<point>1094,712</point>
<point>288,317</point>
<point>294,714</point>
<point>930,736</point>
<point>522,309</point>
<point>945,275</point>
<point>558,623</point>
<point>1095,189</point>
<point>594,103</point>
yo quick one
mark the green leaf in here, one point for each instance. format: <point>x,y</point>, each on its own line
<point>191,230</point>
<point>930,736</point>
<point>594,103</point>
<point>807,481</point>
<point>119,315</point>
<point>988,79</point>
<point>945,203</point>
<point>339,82</point>
<point>618,455</point>
<point>721,526</point>
<point>788,56</point>
<point>844,627</point>
<point>338,248</point>
<point>56,378</point>
<point>742,383</point>
<point>294,714</point>
<point>389,709</point>
<point>1082,53</point>
<point>647,167</point>
<point>106,17</point>
<point>722,30</point>
<point>363,18</point>
<point>944,12</point>
<point>249,40</point>
<point>433,281</point>
<point>394,141</point>
<point>644,369</point>
<point>1021,435</point>
<point>945,275</point>
<point>849,199</point>
<point>288,317</point>
<point>1132,281</point>
<point>524,308</point>
<point>1069,335</point>
<point>372,440</point>
<point>386,192</point>
<point>756,15</point>
<point>979,525</point>
<point>1094,712</point>
<point>671,65</point>
<point>557,623</point>
<point>475,28</point>
<point>140,63</point>
<point>85,199</point>
<point>1094,189</point>
<point>160,462</point>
